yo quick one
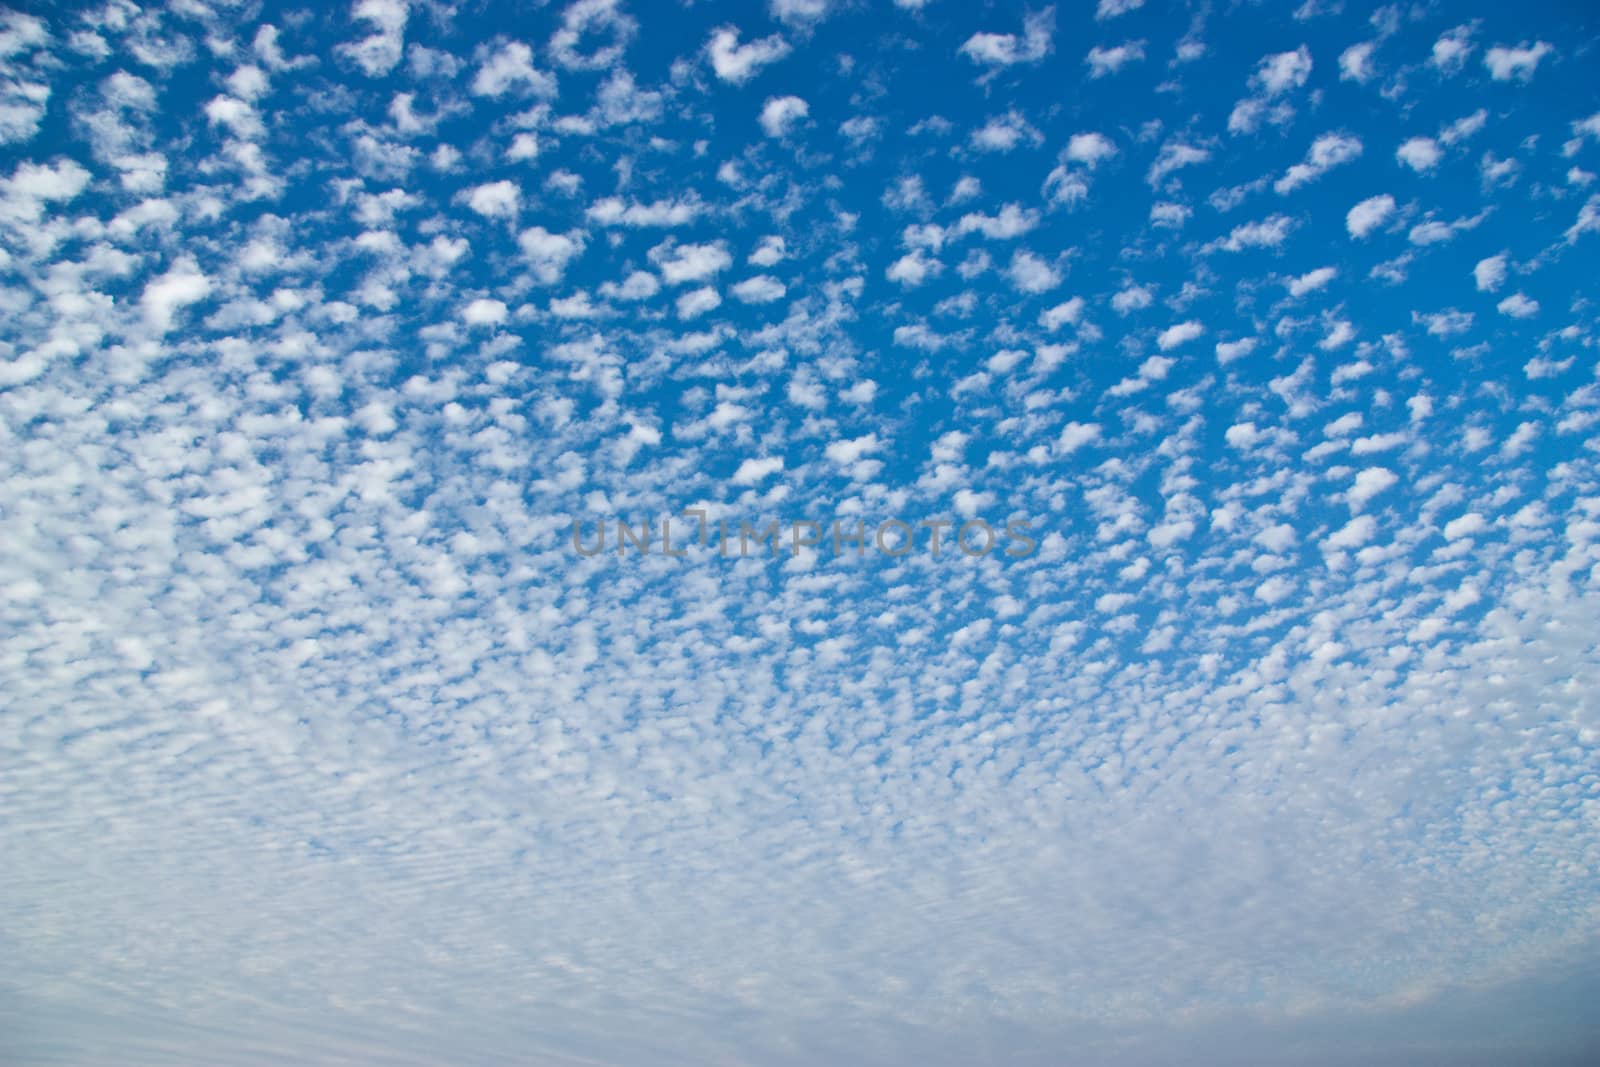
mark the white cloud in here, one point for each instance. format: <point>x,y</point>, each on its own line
<point>1012,220</point>
<point>1167,215</point>
<point>548,253</point>
<point>1464,526</point>
<point>913,268</point>
<point>510,69</point>
<point>1451,50</point>
<point>1032,274</point>
<point>1463,128</point>
<point>800,13</point>
<point>738,63</point>
<point>1588,220</point>
<point>1518,63</point>
<point>769,252</point>
<point>1433,231</point>
<point>780,114</point>
<point>1110,9</point>
<point>696,302</point>
<point>846,452</point>
<point>1368,484</point>
<point>1003,133</point>
<point>1229,351</point>
<point>1179,333</point>
<point>1584,129</point>
<point>1328,151</point>
<point>1279,73</point>
<point>1312,281</point>
<point>1075,435</point>
<point>235,115</point>
<point>1066,186</point>
<point>378,53</point>
<point>1275,589</point>
<point>576,306</point>
<point>495,200</point>
<point>667,212</point>
<point>1267,233</point>
<point>1067,313</point>
<point>1518,306</point>
<point>639,285</point>
<point>1339,334</point>
<point>1170,533</point>
<point>1490,273</point>
<point>33,185</point>
<point>1247,115</point>
<point>524,147</point>
<point>1104,61</point>
<point>761,289</point>
<point>861,128</point>
<point>585,20</point>
<point>1353,534</point>
<point>1368,215</point>
<point>1445,323</point>
<point>755,471</point>
<point>484,312</point>
<point>183,284</point>
<point>1355,62</point>
<point>1007,49</point>
<point>1421,154</point>
<point>1174,156</point>
<point>1243,436</point>
<point>1132,298</point>
<point>619,101</point>
<point>680,264</point>
<point>1090,149</point>
<point>23,98</point>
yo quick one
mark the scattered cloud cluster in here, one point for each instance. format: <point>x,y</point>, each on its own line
<point>322,328</point>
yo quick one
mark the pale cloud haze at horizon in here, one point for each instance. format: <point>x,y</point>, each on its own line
<point>1274,327</point>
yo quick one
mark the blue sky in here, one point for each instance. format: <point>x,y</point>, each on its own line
<point>1275,325</point>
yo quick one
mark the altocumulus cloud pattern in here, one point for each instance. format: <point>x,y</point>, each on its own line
<point>324,325</point>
